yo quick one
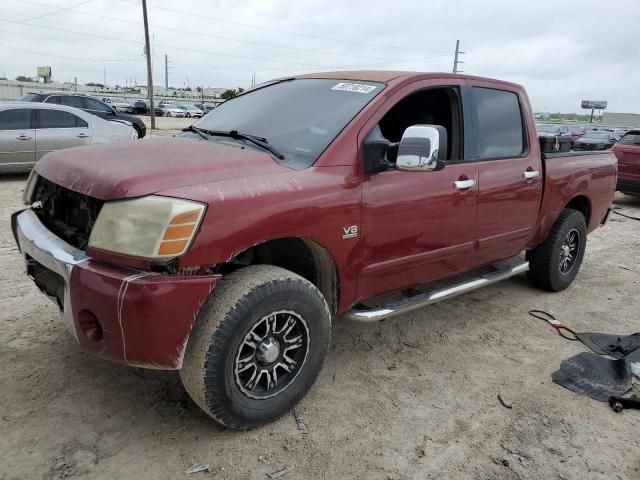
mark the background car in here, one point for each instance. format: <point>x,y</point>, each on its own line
<point>171,110</point>
<point>553,130</point>
<point>89,105</point>
<point>191,111</point>
<point>595,140</point>
<point>576,131</point>
<point>119,103</point>
<point>29,130</point>
<point>141,107</point>
<point>618,133</point>
<point>627,152</point>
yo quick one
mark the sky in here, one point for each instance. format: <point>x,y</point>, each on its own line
<point>561,52</point>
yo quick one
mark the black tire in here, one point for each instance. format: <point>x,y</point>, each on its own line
<point>243,302</point>
<point>550,268</point>
<point>168,114</point>
<point>138,130</point>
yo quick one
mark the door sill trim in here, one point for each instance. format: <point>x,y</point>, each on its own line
<point>428,298</point>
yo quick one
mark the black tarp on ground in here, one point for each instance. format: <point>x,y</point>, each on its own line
<point>594,376</point>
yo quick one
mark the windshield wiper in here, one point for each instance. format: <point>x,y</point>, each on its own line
<point>199,131</point>
<point>236,135</point>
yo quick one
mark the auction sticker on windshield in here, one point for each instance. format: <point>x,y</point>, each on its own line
<point>354,87</point>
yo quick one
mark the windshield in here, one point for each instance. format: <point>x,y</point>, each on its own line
<point>598,135</point>
<point>548,128</point>
<point>299,118</point>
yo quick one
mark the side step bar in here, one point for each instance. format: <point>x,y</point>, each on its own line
<point>424,299</point>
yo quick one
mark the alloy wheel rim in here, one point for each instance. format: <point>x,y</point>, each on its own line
<point>271,354</point>
<point>569,251</point>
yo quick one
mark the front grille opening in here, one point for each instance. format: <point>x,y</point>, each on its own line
<point>48,281</point>
<point>68,214</point>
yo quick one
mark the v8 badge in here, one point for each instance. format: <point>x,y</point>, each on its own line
<point>350,232</point>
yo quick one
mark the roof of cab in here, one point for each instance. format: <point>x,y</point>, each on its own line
<point>387,76</point>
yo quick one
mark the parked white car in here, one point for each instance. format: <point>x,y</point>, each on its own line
<point>30,130</point>
<point>120,104</point>
<point>191,111</point>
<point>171,110</point>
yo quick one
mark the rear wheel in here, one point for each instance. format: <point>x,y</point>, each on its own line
<point>257,346</point>
<point>556,262</point>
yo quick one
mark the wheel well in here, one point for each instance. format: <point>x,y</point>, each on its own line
<point>581,204</point>
<point>303,257</point>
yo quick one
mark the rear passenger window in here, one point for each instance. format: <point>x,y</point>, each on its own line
<point>58,119</point>
<point>15,119</point>
<point>71,101</point>
<point>500,129</point>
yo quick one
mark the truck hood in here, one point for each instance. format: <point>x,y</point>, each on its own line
<point>143,167</point>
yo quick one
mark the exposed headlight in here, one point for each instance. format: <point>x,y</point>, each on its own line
<point>154,227</point>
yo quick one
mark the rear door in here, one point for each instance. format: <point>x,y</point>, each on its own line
<point>510,175</point>
<point>57,129</point>
<point>17,140</point>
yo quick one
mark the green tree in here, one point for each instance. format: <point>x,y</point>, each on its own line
<point>22,78</point>
<point>230,93</point>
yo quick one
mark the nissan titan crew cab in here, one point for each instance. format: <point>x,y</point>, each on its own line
<point>226,251</point>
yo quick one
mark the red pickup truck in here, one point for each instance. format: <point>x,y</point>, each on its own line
<point>226,251</point>
<point>627,150</point>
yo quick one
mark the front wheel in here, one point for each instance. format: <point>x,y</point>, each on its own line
<point>168,114</point>
<point>555,263</point>
<point>257,346</point>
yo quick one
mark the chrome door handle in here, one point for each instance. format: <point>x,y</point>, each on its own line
<point>464,184</point>
<point>530,174</point>
<point>82,135</point>
<point>23,138</point>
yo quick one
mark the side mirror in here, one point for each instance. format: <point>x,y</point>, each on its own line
<point>423,148</point>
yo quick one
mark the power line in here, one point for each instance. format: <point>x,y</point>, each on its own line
<point>58,10</point>
<point>209,52</point>
<point>67,57</point>
<point>308,35</point>
<point>250,42</point>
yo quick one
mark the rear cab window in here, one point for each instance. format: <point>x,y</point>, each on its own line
<point>500,126</point>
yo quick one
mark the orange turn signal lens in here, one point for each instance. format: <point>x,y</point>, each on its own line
<point>172,247</point>
<point>186,217</point>
<point>178,233</point>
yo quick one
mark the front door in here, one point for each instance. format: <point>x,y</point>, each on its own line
<point>510,174</point>
<point>419,226</point>
<point>17,140</point>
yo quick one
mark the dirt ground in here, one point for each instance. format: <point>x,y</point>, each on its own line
<point>413,397</point>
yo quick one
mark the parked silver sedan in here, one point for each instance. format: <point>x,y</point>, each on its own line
<point>29,130</point>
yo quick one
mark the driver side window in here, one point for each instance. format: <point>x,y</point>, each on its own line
<point>432,106</point>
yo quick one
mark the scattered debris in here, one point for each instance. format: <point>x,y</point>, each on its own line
<point>410,345</point>
<point>625,215</point>
<point>503,403</point>
<point>301,425</point>
<point>280,473</point>
<point>197,467</point>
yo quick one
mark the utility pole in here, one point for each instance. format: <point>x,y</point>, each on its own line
<point>75,84</point>
<point>166,75</point>
<point>456,62</point>
<point>152,110</point>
